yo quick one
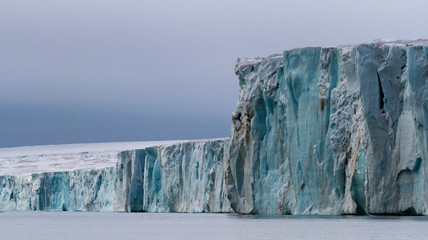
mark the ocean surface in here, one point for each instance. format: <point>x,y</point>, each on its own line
<point>104,226</point>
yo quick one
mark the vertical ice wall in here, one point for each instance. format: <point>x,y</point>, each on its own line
<point>79,190</point>
<point>185,177</point>
<point>339,130</point>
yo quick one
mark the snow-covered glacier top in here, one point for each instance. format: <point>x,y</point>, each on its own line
<point>22,161</point>
<point>243,62</point>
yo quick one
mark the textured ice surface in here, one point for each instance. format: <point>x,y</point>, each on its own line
<point>339,130</point>
<point>184,177</point>
<point>62,177</point>
<point>78,190</point>
<point>171,176</point>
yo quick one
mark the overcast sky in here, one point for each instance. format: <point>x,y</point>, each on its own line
<point>103,70</point>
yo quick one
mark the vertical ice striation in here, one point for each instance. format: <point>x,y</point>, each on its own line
<point>78,190</point>
<point>340,130</point>
<point>185,177</point>
<point>181,177</point>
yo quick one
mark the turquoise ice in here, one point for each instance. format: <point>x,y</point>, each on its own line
<point>339,130</point>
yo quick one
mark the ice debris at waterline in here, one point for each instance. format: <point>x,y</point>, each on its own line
<point>337,130</point>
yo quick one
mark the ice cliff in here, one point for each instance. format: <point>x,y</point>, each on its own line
<point>185,177</point>
<point>336,130</point>
<point>173,177</point>
<point>78,190</point>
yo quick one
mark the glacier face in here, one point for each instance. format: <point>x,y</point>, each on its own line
<point>185,177</point>
<point>174,177</point>
<point>78,190</point>
<point>76,177</point>
<point>340,130</point>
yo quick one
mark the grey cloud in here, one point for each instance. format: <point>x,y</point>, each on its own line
<point>168,57</point>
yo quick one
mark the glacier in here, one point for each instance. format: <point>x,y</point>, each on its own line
<point>336,130</point>
<point>78,190</point>
<point>169,176</point>
<point>184,177</point>
<point>72,177</point>
<point>318,130</point>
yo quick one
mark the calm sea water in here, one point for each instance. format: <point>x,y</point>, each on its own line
<point>103,226</point>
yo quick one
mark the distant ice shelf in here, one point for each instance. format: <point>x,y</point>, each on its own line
<point>109,177</point>
<point>24,161</point>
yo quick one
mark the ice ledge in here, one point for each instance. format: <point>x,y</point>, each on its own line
<point>243,62</point>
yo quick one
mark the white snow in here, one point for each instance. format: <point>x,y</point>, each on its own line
<point>21,161</point>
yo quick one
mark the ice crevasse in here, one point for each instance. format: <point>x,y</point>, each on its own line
<point>334,130</point>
